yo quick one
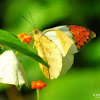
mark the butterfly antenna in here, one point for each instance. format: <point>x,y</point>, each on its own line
<point>28,21</point>
<point>32,19</point>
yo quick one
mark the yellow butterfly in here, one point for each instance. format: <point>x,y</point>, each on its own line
<point>58,45</point>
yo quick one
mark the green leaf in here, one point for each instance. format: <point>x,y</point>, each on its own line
<point>13,42</point>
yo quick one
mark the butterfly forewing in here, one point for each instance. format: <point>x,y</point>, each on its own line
<point>62,40</point>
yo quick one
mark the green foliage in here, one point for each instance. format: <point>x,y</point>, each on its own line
<point>76,85</point>
<point>13,42</point>
<point>47,13</point>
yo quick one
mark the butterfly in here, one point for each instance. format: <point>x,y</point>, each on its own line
<point>57,47</point>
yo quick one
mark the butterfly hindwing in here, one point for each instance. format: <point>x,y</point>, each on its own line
<point>67,62</point>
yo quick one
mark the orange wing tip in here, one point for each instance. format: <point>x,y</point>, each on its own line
<point>78,46</point>
<point>81,35</point>
<point>24,38</point>
<point>93,35</point>
<point>37,85</point>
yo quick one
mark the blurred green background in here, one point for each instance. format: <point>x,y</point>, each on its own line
<point>82,81</point>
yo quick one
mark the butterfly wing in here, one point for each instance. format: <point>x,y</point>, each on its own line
<point>67,62</point>
<point>49,46</point>
<point>58,45</point>
<point>49,52</point>
<point>62,40</point>
<point>80,36</point>
<point>66,30</point>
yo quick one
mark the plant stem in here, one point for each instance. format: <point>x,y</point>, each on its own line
<point>16,53</point>
<point>37,94</point>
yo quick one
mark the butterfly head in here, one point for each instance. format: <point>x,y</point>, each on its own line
<point>35,31</point>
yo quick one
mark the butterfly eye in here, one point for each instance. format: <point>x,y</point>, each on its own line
<point>35,31</point>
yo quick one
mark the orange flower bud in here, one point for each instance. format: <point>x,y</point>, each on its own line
<point>24,38</point>
<point>38,85</point>
<point>28,39</point>
<point>22,35</point>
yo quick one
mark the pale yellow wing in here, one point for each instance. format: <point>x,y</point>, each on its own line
<point>51,50</point>
<point>48,51</point>
<point>67,62</point>
<point>66,30</point>
<point>62,40</point>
